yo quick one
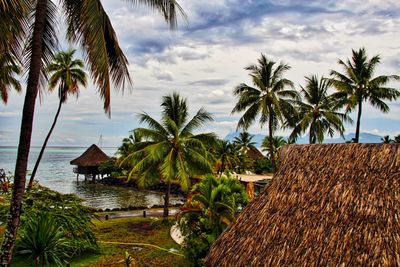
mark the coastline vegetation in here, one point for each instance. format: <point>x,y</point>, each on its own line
<point>57,229</point>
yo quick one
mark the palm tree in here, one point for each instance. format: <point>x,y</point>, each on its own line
<point>268,99</point>
<point>126,147</point>
<point>227,154</point>
<point>87,24</point>
<point>397,139</point>
<point>357,85</point>
<point>8,69</point>
<point>68,74</point>
<point>171,151</point>
<point>244,142</point>
<point>318,112</point>
<point>277,143</point>
<point>387,140</point>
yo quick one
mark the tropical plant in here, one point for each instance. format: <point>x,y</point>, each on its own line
<point>8,69</point>
<point>171,151</point>
<point>244,142</point>
<point>397,139</point>
<point>268,99</point>
<point>227,155</point>
<point>277,143</point>
<point>126,147</point>
<point>42,238</point>
<point>318,111</point>
<point>357,85</point>
<point>387,140</point>
<point>87,24</point>
<point>209,210</point>
<point>68,74</point>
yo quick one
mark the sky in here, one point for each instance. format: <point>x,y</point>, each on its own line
<point>205,59</point>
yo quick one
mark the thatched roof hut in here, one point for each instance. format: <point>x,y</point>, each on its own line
<point>327,205</point>
<point>93,156</point>
<point>88,163</point>
<point>253,153</point>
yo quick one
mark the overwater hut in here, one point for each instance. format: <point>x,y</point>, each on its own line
<point>327,205</point>
<point>88,163</point>
<point>254,154</point>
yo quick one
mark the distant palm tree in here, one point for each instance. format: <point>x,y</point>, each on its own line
<point>8,69</point>
<point>244,141</point>
<point>357,85</point>
<point>277,143</point>
<point>227,154</point>
<point>397,139</point>
<point>318,112</point>
<point>268,99</point>
<point>171,151</point>
<point>67,73</point>
<point>87,24</point>
<point>126,147</point>
<point>387,140</point>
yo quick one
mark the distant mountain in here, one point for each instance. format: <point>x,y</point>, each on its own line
<point>364,138</point>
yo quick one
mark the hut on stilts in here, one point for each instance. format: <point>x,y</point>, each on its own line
<point>327,205</point>
<point>88,163</point>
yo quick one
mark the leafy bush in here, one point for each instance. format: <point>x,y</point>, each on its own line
<point>110,167</point>
<point>71,219</point>
<point>263,165</point>
<point>43,239</point>
<point>209,210</point>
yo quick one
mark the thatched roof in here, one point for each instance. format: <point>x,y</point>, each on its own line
<point>327,205</point>
<point>253,153</point>
<point>93,156</point>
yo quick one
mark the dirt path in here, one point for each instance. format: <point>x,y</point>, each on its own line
<point>149,213</point>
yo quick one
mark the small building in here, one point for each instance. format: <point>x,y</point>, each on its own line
<point>88,163</point>
<point>327,205</point>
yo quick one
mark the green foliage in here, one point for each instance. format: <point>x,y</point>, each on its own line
<point>110,167</point>
<point>226,155</point>
<point>208,212</point>
<point>72,219</point>
<point>317,111</point>
<point>263,165</point>
<point>42,237</point>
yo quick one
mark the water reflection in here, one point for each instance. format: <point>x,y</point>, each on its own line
<point>106,196</point>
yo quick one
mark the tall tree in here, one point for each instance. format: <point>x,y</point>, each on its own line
<point>171,151</point>
<point>387,140</point>
<point>357,85</point>
<point>66,72</point>
<point>318,111</point>
<point>268,99</point>
<point>227,154</point>
<point>277,143</point>
<point>89,25</point>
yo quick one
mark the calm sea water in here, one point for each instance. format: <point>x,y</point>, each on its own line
<point>56,173</point>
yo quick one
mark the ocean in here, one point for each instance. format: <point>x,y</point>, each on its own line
<point>56,173</point>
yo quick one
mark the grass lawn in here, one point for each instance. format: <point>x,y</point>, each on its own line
<point>127,230</point>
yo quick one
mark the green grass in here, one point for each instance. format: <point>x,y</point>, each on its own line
<point>127,230</point>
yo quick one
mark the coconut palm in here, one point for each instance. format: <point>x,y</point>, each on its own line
<point>318,112</point>
<point>227,154</point>
<point>357,85</point>
<point>171,151</point>
<point>127,144</point>
<point>87,24</point>
<point>8,69</point>
<point>387,140</point>
<point>277,143</point>
<point>397,139</point>
<point>268,99</point>
<point>66,72</point>
<point>244,141</point>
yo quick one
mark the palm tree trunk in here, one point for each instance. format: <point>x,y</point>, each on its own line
<point>44,147</point>
<point>310,137</point>
<point>25,135</point>
<point>166,202</point>
<point>271,143</point>
<point>357,137</point>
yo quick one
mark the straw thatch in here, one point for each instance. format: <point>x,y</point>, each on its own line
<point>254,154</point>
<point>93,156</point>
<point>327,205</point>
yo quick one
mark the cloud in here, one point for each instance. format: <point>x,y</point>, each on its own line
<point>210,82</point>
